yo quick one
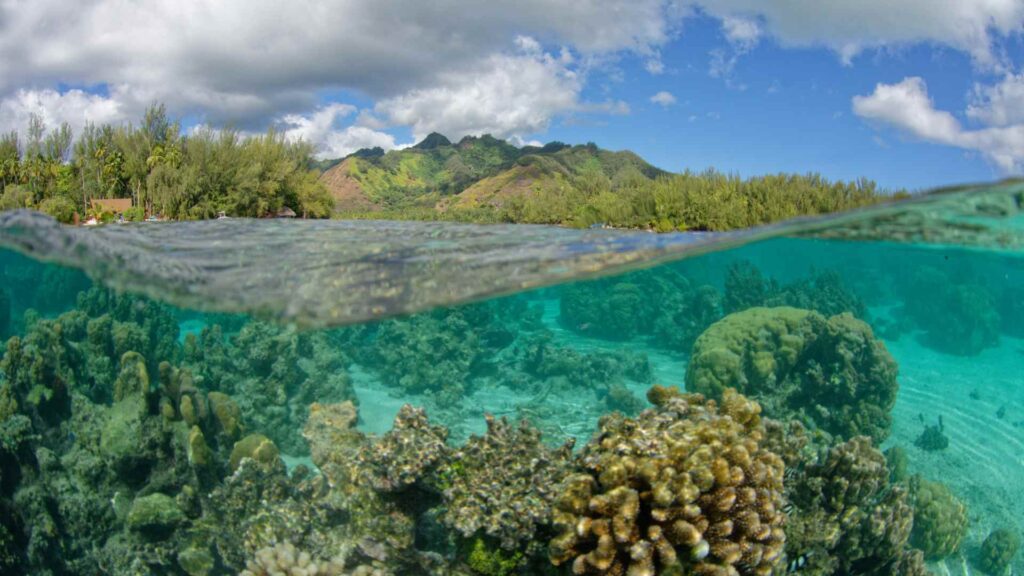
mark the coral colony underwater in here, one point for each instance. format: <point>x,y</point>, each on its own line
<point>834,397</point>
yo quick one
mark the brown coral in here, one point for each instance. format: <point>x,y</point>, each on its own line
<point>503,484</point>
<point>684,486</point>
<point>407,452</point>
<point>845,515</point>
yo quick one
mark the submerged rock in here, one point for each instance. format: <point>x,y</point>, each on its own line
<point>156,514</point>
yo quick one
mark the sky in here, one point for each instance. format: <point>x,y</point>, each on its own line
<point>910,93</point>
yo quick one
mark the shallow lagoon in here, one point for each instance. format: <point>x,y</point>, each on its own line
<point>113,462</point>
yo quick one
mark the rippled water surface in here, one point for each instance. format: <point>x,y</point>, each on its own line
<point>391,398</point>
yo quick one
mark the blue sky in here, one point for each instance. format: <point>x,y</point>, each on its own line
<point>911,93</point>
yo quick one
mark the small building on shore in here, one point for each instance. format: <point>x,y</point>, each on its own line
<point>115,205</point>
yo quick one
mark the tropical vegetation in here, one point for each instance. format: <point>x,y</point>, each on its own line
<point>202,173</point>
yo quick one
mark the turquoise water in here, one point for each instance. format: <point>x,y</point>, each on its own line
<point>860,407</point>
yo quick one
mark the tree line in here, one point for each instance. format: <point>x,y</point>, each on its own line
<point>690,201</point>
<point>165,172</point>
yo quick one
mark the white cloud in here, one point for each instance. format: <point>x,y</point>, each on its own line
<point>1001,104</point>
<point>247,60</point>
<point>75,107</point>
<point>654,66</point>
<point>907,107</point>
<point>322,130</point>
<point>851,27</point>
<point>509,95</point>
<point>742,32</point>
<point>664,98</point>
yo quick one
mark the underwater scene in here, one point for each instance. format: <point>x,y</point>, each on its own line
<point>833,397</point>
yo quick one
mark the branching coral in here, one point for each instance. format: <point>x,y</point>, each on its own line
<point>502,484</point>
<point>829,373</point>
<point>684,486</point>
<point>846,517</point>
<point>940,519</point>
<point>285,560</point>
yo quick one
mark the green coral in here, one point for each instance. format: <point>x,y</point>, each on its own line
<point>489,560</point>
<point>940,519</point>
<point>154,514</point>
<point>998,550</point>
<point>255,446</point>
<point>830,373</point>
<point>684,488</point>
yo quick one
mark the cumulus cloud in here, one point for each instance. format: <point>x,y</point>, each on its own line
<point>664,98</point>
<point>241,59</point>
<point>249,63</point>
<point>324,131</point>
<point>851,27</point>
<point>75,107</point>
<point>1001,104</point>
<point>907,107</point>
<point>509,95</point>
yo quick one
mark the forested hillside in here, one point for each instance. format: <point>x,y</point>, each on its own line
<point>200,173</point>
<point>488,180</point>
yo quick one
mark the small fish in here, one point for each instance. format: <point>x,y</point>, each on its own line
<point>583,327</point>
<point>788,508</point>
<point>796,564</point>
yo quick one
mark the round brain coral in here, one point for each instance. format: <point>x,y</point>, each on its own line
<point>685,487</point>
<point>830,373</point>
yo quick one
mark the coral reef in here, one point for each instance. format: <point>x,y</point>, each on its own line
<point>823,292</point>
<point>846,517</point>
<point>940,519</point>
<point>663,306</point>
<point>274,374</point>
<point>407,452</point>
<point>998,550</point>
<point>957,317</point>
<point>684,487</point>
<point>284,560</point>
<point>830,373</point>
<point>440,352</point>
<point>501,485</point>
<point>540,358</point>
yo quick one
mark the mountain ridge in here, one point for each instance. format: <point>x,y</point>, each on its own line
<point>435,172</point>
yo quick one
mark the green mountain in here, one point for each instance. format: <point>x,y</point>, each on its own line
<point>484,179</point>
<point>476,171</point>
